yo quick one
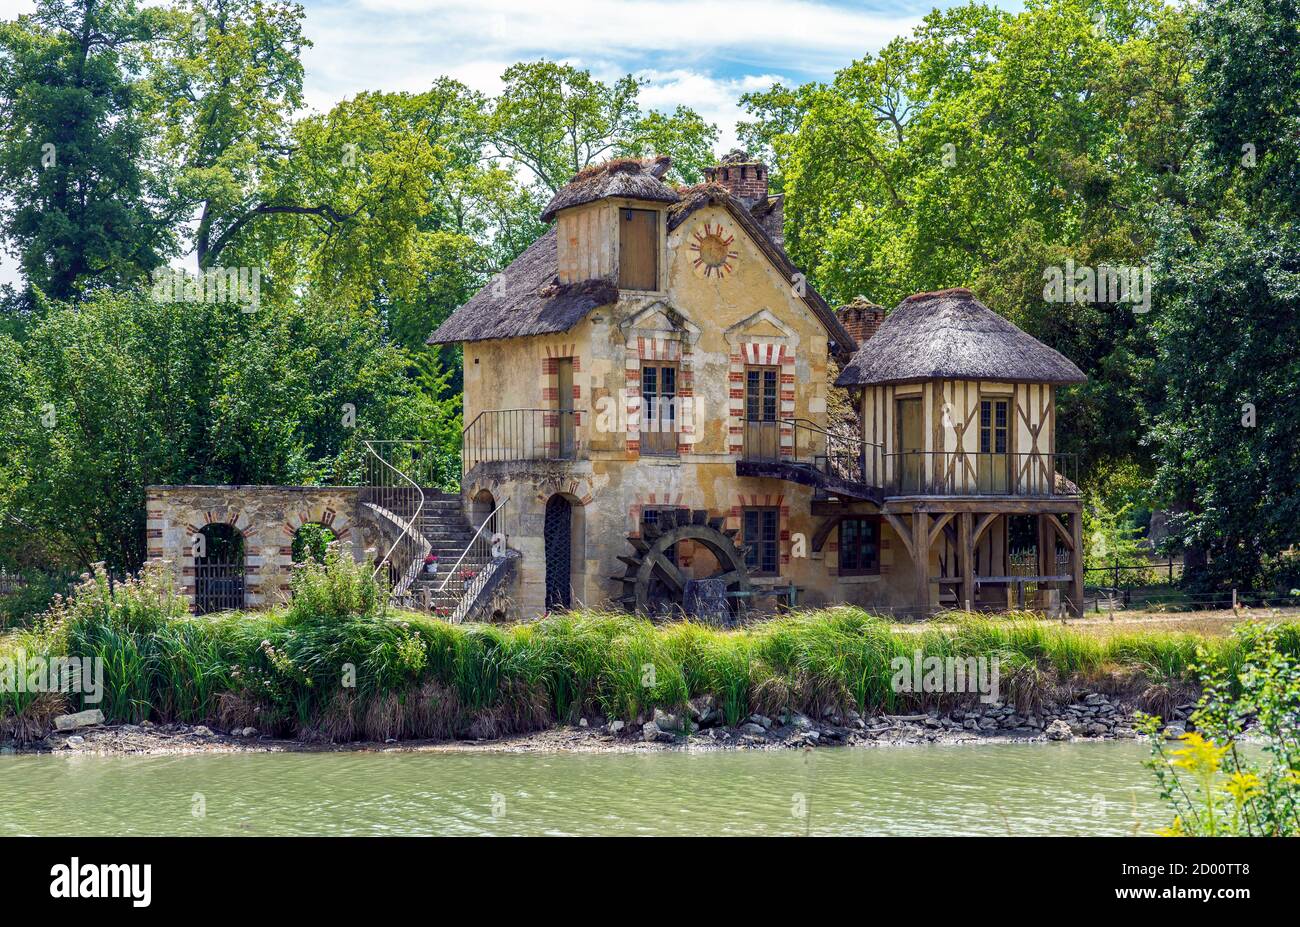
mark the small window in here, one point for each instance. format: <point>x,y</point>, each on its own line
<point>762,538</point>
<point>650,516</point>
<point>859,546</point>
<point>638,249</point>
<point>659,409</point>
<point>993,426</point>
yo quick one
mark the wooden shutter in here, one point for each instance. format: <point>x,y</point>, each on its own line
<point>638,249</point>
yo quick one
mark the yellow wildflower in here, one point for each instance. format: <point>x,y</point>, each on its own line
<point>1200,757</point>
<point>1243,786</point>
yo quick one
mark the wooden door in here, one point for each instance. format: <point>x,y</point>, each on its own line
<point>564,379</point>
<point>762,429</point>
<point>659,409</point>
<point>911,445</point>
<point>994,460</point>
<point>638,249</point>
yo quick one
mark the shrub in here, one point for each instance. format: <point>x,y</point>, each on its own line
<point>1213,787</point>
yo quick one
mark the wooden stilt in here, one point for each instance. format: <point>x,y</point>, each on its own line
<point>921,556</point>
<point>966,555</point>
<point>1076,562</point>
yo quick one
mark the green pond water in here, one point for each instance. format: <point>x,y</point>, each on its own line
<point>994,789</point>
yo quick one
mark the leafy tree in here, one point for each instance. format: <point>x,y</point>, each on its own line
<point>123,392</point>
<point>554,119</point>
<point>979,151</point>
<point>1227,433</point>
<point>684,136</point>
<point>228,78</point>
<point>74,146</point>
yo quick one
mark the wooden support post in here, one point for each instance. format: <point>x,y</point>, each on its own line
<point>1046,557</point>
<point>1076,561</point>
<point>966,555</point>
<point>921,556</point>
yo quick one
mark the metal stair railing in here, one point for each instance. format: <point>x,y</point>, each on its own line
<point>482,548</point>
<point>392,493</point>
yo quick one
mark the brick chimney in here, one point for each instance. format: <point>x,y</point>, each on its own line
<point>861,318</point>
<point>744,177</point>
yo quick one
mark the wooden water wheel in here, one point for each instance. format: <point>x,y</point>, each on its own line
<point>654,584</point>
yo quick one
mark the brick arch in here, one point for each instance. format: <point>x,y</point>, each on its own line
<point>319,514</point>
<point>188,564</point>
<point>579,488</point>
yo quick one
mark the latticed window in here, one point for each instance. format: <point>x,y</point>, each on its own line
<point>659,404</point>
<point>993,426</point>
<point>650,516</point>
<point>761,393</point>
<point>762,536</point>
<point>859,546</point>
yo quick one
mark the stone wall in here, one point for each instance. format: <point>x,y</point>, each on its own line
<point>266,516</point>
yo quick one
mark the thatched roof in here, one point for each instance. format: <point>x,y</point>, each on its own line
<point>711,194</point>
<point>952,335</point>
<point>632,178</point>
<point>771,215</point>
<point>527,300</point>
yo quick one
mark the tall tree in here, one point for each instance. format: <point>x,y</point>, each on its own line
<point>1228,429</point>
<point>230,77</point>
<point>554,119</point>
<point>78,208</point>
<point>983,149</point>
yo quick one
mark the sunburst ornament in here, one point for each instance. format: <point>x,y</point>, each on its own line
<point>712,248</point>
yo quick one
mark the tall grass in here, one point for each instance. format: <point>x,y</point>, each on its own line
<point>336,663</point>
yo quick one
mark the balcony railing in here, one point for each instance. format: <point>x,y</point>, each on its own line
<point>955,473</point>
<point>519,434</point>
<point>799,441</point>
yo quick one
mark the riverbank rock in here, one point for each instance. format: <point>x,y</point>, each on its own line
<point>751,729</point>
<point>616,726</point>
<point>79,720</point>
<point>762,721</point>
<point>1058,730</point>
<point>704,711</point>
<point>650,731</point>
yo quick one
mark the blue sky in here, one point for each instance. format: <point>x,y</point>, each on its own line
<point>699,53</point>
<point>702,53</point>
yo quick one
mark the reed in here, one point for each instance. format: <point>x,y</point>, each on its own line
<point>337,663</point>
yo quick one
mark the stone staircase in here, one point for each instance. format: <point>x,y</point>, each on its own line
<point>414,521</point>
<point>441,529</point>
<point>443,524</point>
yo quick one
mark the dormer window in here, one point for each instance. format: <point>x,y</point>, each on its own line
<point>638,249</point>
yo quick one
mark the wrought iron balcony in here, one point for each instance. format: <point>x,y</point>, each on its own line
<point>519,434</point>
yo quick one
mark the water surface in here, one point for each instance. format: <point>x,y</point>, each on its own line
<point>994,789</point>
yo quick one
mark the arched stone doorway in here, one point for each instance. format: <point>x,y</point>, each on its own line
<point>481,507</point>
<point>218,569</point>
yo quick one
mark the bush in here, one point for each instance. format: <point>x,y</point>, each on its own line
<point>1214,788</point>
<point>21,608</point>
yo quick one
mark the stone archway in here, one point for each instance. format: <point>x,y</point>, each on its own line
<point>220,560</point>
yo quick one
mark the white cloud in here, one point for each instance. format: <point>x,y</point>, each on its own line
<point>698,53</point>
